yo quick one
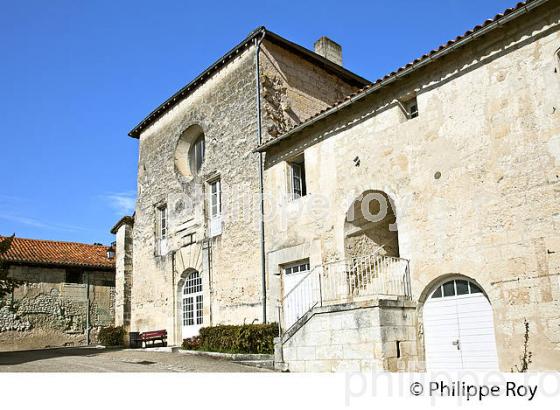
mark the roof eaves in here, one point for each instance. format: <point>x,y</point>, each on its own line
<point>125,220</point>
<point>34,262</point>
<point>327,64</point>
<point>178,96</point>
<point>269,35</point>
<point>459,41</point>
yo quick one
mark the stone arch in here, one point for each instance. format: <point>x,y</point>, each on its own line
<point>456,325</point>
<point>434,283</point>
<point>370,225</point>
<point>189,280</point>
<point>190,142</point>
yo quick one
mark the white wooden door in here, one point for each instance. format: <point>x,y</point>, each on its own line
<point>192,318</point>
<point>459,328</point>
<point>298,296</point>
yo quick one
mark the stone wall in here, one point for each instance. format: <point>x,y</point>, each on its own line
<point>375,336</point>
<point>224,108</point>
<point>294,89</point>
<point>474,179</point>
<point>47,312</point>
<point>123,275</point>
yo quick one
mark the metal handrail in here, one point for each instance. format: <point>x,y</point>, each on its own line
<point>299,283</point>
<point>344,280</point>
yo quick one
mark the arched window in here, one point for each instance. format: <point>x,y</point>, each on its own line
<point>192,304</point>
<point>190,150</point>
<point>456,287</point>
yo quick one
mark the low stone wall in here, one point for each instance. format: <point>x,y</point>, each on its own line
<point>47,312</point>
<point>378,335</point>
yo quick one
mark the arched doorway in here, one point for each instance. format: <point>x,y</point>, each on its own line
<point>459,328</point>
<point>192,305</point>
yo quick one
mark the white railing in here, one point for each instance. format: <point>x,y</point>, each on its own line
<point>364,277</point>
<point>357,279</point>
<point>302,298</point>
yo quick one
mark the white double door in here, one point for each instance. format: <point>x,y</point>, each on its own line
<point>459,329</point>
<point>192,303</point>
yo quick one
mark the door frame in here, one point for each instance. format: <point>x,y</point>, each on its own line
<point>197,314</point>
<point>427,292</point>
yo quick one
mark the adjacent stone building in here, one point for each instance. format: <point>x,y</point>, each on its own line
<point>404,224</point>
<point>58,282</point>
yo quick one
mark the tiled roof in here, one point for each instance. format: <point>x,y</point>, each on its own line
<point>43,252</point>
<point>404,70</point>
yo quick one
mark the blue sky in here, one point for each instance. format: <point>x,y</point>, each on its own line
<point>76,76</point>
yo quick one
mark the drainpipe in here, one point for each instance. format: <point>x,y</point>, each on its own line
<point>87,308</point>
<point>173,292</point>
<point>208,244</point>
<point>258,42</point>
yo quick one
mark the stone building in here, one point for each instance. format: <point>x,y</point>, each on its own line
<point>406,224</point>
<point>58,282</point>
<point>197,255</point>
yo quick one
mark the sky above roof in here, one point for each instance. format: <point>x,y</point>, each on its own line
<point>75,77</point>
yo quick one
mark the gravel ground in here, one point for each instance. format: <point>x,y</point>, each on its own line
<point>87,359</point>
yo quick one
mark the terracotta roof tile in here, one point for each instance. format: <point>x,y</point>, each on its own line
<point>44,252</point>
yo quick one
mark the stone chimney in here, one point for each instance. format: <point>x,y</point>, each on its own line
<point>329,49</point>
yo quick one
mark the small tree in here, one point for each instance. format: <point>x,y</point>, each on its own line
<point>7,285</point>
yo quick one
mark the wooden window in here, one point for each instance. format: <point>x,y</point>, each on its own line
<point>298,185</point>
<point>162,229</point>
<point>197,154</point>
<point>215,188</point>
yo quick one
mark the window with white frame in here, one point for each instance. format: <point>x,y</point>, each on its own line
<point>162,228</point>
<point>197,154</point>
<point>193,300</point>
<point>215,191</point>
<point>298,185</point>
<point>298,267</point>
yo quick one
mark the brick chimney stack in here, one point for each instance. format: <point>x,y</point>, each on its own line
<point>329,49</point>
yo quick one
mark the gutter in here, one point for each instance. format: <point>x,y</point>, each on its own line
<point>429,59</point>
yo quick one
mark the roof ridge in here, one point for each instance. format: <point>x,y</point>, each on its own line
<point>53,241</point>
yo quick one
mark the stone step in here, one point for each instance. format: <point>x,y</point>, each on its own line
<point>262,364</point>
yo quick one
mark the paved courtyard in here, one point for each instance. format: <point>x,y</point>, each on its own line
<point>110,360</point>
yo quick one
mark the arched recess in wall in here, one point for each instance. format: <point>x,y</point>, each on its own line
<point>370,226</point>
<point>458,325</point>
<point>190,151</point>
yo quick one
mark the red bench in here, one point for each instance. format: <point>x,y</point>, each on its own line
<point>153,336</point>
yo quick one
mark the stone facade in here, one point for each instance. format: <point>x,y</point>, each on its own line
<point>471,183</point>
<point>123,268</point>
<point>224,110</point>
<point>48,312</point>
<point>374,336</point>
<point>474,180</point>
